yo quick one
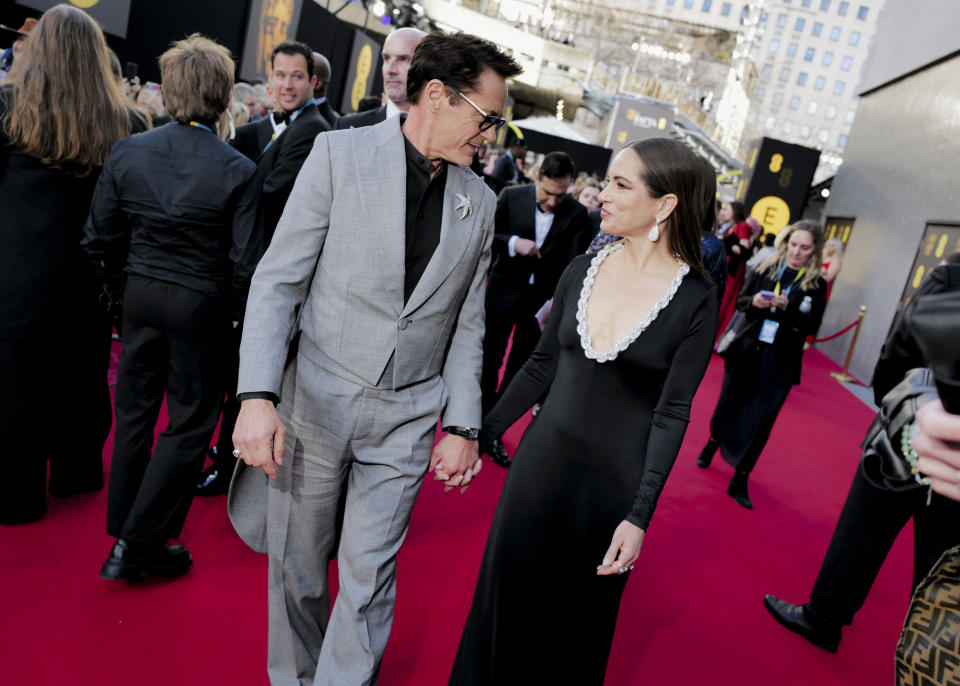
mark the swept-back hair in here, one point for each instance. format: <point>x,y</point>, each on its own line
<point>457,60</point>
<point>814,267</point>
<point>671,167</point>
<point>68,109</point>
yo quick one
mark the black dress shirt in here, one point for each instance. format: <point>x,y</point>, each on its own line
<point>177,204</point>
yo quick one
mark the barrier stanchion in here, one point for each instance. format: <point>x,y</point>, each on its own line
<point>842,376</point>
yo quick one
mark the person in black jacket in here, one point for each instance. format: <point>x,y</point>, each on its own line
<point>540,228</point>
<point>321,67</point>
<point>177,210</point>
<point>59,117</point>
<point>871,518</point>
<point>784,300</point>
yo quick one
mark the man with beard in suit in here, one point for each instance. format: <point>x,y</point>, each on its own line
<point>539,229</point>
<point>295,123</point>
<point>397,51</point>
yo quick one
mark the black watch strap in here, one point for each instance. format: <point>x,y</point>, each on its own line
<point>464,432</point>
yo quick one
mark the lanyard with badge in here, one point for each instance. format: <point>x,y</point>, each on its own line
<point>768,332</point>
<point>280,128</point>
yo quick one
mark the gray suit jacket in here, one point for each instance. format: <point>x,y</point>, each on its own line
<point>339,251</point>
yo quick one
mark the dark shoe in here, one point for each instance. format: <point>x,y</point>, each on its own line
<point>215,480</point>
<point>738,489</point>
<point>133,562</point>
<point>709,450</point>
<point>497,452</point>
<point>794,618</point>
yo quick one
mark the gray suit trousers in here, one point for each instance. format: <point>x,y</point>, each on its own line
<point>363,451</point>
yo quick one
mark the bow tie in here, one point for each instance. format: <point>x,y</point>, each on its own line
<point>280,117</point>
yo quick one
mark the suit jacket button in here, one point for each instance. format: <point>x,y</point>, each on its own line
<point>403,324</point>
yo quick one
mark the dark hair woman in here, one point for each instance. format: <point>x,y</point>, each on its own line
<point>783,302</point>
<point>58,121</point>
<point>626,345</point>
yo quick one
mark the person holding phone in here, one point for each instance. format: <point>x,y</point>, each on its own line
<point>782,301</point>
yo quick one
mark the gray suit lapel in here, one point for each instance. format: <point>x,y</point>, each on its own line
<point>455,235</point>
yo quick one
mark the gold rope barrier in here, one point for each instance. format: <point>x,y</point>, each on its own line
<point>842,376</point>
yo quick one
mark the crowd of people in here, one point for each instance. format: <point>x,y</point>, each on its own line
<point>330,287</point>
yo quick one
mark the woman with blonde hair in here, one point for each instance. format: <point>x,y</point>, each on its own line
<point>59,118</point>
<point>783,302</point>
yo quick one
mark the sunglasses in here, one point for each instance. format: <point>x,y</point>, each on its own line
<point>488,119</point>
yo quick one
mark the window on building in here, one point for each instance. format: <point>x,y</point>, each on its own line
<point>812,107</point>
<point>838,87</point>
<point>823,136</point>
<point>787,126</point>
<point>802,78</point>
<point>725,9</point>
<point>745,12</point>
<point>849,117</point>
<point>763,17</point>
<point>769,122</point>
<point>862,13</point>
<point>835,33</point>
<point>842,9</point>
<point>766,69</point>
<point>821,82</point>
<point>800,24</point>
<point>805,3</point>
<point>785,74</point>
<point>831,112</point>
<point>827,58</point>
<point>854,38</point>
<point>688,4</point>
<point>805,131</point>
<point>842,140</point>
<point>795,102</point>
<point>817,28</point>
<point>671,2</point>
<point>791,49</point>
<point>847,63</point>
<point>752,117</point>
<point>774,45</point>
<point>781,20</point>
<point>706,5</point>
<point>808,54</point>
<point>758,93</point>
<point>777,98</point>
<point>824,5</point>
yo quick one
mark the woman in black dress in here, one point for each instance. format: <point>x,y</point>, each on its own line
<point>625,348</point>
<point>58,121</point>
<point>783,302</point>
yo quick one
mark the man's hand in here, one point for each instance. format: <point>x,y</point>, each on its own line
<point>526,248</point>
<point>259,435</point>
<point>455,461</point>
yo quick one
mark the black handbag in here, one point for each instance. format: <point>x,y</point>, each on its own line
<point>882,462</point>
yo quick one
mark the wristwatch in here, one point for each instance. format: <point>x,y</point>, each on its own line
<point>464,432</point>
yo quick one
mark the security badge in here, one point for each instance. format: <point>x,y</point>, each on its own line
<point>768,332</point>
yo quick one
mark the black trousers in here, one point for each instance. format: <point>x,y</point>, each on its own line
<point>869,523</point>
<point>39,428</point>
<point>744,417</point>
<point>173,341</point>
<point>526,334</point>
<point>231,406</point>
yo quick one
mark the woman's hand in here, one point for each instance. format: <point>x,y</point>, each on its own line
<point>761,302</point>
<point>938,445</point>
<point>623,551</point>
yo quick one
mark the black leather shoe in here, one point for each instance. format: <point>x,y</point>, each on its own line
<point>738,490</point>
<point>706,455</point>
<point>497,452</point>
<point>215,480</point>
<point>793,617</point>
<point>133,562</point>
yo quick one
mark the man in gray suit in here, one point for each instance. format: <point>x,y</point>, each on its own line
<point>385,242</point>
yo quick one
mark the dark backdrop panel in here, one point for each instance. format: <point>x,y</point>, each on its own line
<point>588,158</point>
<point>333,37</point>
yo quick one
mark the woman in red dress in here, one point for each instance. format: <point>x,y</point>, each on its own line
<point>737,240</point>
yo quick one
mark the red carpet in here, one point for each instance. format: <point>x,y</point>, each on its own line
<point>692,613</point>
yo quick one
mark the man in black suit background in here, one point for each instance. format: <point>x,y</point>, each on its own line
<point>294,125</point>
<point>321,67</point>
<point>540,228</point>
<point>506,172</point>
<point>397,51</point>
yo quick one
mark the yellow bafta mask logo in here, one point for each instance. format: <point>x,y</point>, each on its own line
<point>84,4</point>
<point>621,137</point>
<point>662,123</point>
<point>275,19</point>
<point>364,63</point>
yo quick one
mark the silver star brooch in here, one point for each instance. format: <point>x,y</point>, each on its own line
<point>464,208</point>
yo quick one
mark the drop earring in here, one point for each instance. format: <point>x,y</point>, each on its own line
<point>654,234</point>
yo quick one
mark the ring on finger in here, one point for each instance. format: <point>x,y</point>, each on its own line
<point>236,453</point>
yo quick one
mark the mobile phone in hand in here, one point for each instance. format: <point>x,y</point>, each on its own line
<point>130,70</point>
<point>769,295</point>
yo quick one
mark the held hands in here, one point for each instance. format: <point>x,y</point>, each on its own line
<point>456,462</point>
<point>259,435</point>
<point>526,248</point>
<point>938,445</point>
<point>623,551</point>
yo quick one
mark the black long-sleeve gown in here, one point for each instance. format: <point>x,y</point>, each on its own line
<point>598,452</point>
